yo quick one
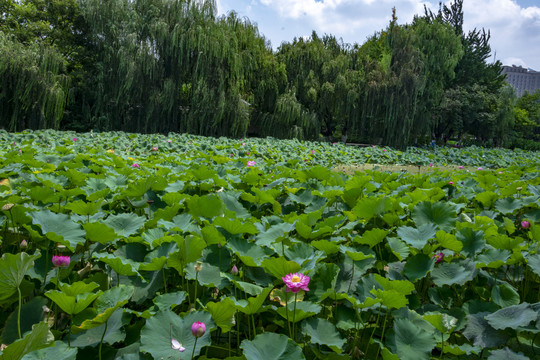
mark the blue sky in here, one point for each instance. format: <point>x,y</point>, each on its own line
<point>514,24</point>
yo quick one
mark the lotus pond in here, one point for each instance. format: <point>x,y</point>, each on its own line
<point>124,246</point>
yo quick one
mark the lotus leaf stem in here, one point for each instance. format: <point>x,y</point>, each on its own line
<point>19,313</point>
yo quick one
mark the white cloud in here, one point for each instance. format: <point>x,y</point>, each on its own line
<point>515,30</point>
<point>345,17</point>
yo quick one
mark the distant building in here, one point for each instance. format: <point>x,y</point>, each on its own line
<point>522,79</point>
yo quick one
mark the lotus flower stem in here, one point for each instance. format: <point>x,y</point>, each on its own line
<point>287,313</point>
<point>164,279</point>
<point>194,347</point>
<point>352,277</point>
<point>294,317</point>
<point>382,334</point>
<point>253,322</point>
<point>19,313</point>
<point>102,337</point>
<point>374,328</point>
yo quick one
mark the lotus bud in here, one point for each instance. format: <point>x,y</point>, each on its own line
<point>24,244</point>
<point>198,266</point>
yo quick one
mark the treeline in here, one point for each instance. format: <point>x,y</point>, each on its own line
<point>174,65</point>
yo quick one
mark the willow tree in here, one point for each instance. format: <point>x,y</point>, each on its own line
<point>173,66</point>
<point>33,88</point>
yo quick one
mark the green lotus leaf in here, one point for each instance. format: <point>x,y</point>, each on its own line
<point>209,276</point>
<point>119,264</point>
<point>253,304</point>
<point>323,332</point>
<point>418,266</point>
<point>31,314</point>
<point>60,351</point>
<point>366,208</point>
<point>402,286</point>
<point>84,208</point>
<point>110,331</point>
<point>125,225</point>
<point>487,198</point>
<point>473,241</point>
<point>190,249</point>
<point>303,254</point>
<point>13,268</point>
<point>448,241</point>
<point>99,232</point>
<point>279,267</point>
<point>441,214</point>
<point>399,248</point>
<point>371,237</point>
<point>107,304</point>
<point>506,354</point>
<point>508,205</point>
<point>222,313</point>
<point>156,259</point>
<point>533,262</point>
<point>249,253</point>
<point>59,228</point>
<point>38,338</point>
<point>161,329</point>
<point>273,234</point>
<point>304,309</point>
<point>443,322</point>
<point>505,295</point>
<point>74,298</point>
<point>271,346</point>
<point>410,342</point>
<point>323,281</point>
<point>208,206</point>
<point>169,300</point>
<point>231,203</point>
<point>480,332</point>
<point>512,317</point>
<point>493,258</point>
<point>235,226</point>
<point>452,273</point>
<point>419,237</point>
<point>326,246</point>
<point>392,299</point>
<point>181,223</point>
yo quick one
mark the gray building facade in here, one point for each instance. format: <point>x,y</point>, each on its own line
<point>523,80</point>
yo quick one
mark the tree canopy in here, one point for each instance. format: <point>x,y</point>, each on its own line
<point>174,65</point>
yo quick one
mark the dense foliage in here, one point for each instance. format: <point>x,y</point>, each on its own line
<point>163,65</point>
<point>127,246</point>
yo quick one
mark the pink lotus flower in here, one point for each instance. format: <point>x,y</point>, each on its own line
<point>500,172</point>
<point>480,168</point>
<point>154,148</point>
<point>61,261</point>
<point>234,270</point>
<point>374,146</point>
<point>525,224</point>
<point>231,155</point>
<point>430,165</point>
<point>198,329</point>
<point>384,149</point>
<point>135,165</point>
<point>243,144</point>
<point>24,244</point>
<point>74,139</point>
<point>251,163</point>
<point>313,151</point>
<point>460,167</point>
<point>296,282</point>
<point>438,257</point>
<point>169,141</point>
<point>451,182</point>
